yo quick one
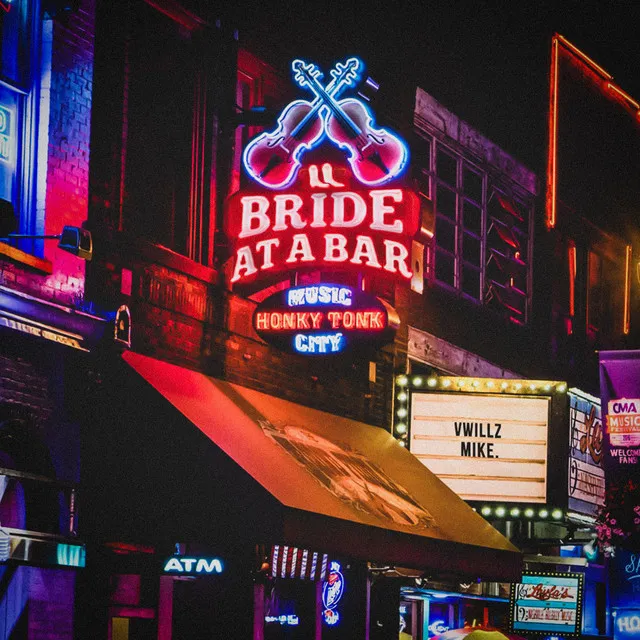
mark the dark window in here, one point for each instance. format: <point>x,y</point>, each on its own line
<point>472,184</point>
<point>447,168</point>
<point>445,234</point>
<point>445,268</point>
<point>471,281</point>
<point>446,202</point>
<point>160,126</point>
<point>472,217</point>
<point>471,249</point>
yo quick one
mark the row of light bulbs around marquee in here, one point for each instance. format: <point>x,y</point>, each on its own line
<point>463,384</point>
<point>528,513</point>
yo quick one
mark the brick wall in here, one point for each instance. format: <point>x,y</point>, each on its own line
<point>69,129</point>
<point>65,115</point>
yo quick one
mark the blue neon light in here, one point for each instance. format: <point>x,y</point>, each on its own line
<point>376,155</point>
<point>332,592</point>
<point>285,146</point>
<point>322,294</point>
<point>319,343</point>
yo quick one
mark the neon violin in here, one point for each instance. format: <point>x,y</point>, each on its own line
<point>375,155</point>
<point>273,158</point>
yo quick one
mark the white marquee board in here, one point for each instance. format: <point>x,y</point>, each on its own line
<point>484,447</point>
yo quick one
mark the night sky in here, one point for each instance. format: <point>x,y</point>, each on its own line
<point>488,62</point>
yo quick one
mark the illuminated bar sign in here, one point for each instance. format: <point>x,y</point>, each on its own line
<point>344,210</point>
<point>323,319</point>
<point>547,603</point>
<point>484,447</point>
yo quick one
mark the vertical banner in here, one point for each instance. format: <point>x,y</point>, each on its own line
<point>620,394</point>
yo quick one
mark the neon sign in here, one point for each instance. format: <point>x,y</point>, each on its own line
<point>330,223</point>
<point>628,623</point>
<point>341,211</point>
<point>376,156</point>
<point>193,566</point>
<point>332,592</point>
<point>291,620</point>
<point>323,319</point>
<point>437,627</point>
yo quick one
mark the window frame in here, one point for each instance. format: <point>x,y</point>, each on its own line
<point>490,182</point>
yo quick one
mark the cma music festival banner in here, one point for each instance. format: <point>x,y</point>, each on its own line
<point>620,395</point>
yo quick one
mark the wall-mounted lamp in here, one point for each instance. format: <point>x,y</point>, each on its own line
<point>75,240</point>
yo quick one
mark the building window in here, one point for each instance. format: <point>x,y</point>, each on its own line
<point>605,296</point>
<point>481,231</point>
<point>167,162</point>
<point>20,74</point>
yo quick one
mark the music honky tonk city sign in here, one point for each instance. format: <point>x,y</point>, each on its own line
<point>344,209</point>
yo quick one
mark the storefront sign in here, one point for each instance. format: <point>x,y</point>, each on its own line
<point>620,394</point>
<point>345,209</point>
<point>182,565</point>
<point>484,447</point>
<point>332,592</point>
<point>586,475</point>
<point>624,572</point>
<point>323,319</point>
<point>626,624</point>
<point>547,604</point>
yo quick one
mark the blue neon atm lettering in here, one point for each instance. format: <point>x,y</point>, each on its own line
<point>193,565</point>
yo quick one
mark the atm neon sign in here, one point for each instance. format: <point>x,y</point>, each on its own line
<point>182,565</point>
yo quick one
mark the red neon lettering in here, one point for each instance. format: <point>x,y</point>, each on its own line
<point>316,319</point>
<point>262,320</point>
<point>356,319</point>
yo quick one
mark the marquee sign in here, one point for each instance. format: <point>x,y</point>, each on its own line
<point>323,319</point>
<point>484,447</point>
<point>343,210</point>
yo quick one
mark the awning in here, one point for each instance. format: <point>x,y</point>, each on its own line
<point>344,486</point>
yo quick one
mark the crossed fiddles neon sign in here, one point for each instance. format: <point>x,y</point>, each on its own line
<point>375,155</point>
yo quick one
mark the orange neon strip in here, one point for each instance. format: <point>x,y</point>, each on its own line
<point>626,325</point>
<point>585,58</point>
<point>622,93</point>
<point>572,279</point>
<point>553,137</point>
